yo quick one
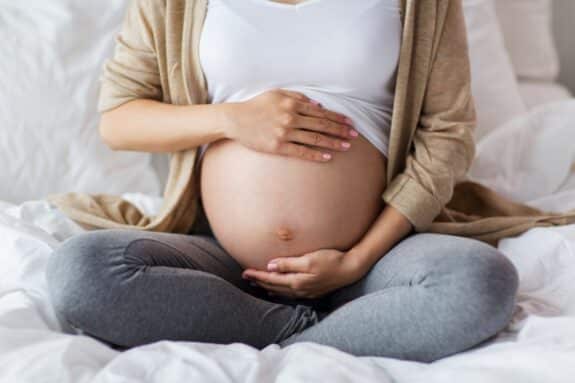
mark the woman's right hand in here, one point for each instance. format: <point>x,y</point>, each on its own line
<point>285,122</point>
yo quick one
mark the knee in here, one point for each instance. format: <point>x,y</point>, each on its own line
<point>75,275</point>
<point>489,283</point>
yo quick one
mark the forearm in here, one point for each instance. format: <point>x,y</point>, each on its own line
<point>152,126</point>
<point>388,229</point>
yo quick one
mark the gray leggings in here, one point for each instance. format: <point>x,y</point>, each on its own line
<point>430,296</point>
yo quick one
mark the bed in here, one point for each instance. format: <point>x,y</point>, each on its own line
<point>57,148</point>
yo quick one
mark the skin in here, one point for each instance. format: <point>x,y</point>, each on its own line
<point>280,117</point>
<point>296,206</point>
<point>317,273</point>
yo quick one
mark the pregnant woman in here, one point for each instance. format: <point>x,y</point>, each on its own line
<point>293,241</point>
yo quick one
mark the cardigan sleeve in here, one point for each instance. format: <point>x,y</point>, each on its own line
<point>133,71</point>
<point>443,144</point>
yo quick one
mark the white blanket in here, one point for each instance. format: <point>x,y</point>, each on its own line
<point>537,346</point>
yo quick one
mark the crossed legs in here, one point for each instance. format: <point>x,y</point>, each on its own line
<point>430,296</point>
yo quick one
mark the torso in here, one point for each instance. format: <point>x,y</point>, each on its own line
<point>261,206</point>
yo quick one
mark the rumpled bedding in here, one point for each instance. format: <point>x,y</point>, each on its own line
<point>530,159</point>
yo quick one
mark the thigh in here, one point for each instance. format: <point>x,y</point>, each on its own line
<point>419,258</point>
<point>138,248</point>
<point>430,296</point>
<point>131,287</point>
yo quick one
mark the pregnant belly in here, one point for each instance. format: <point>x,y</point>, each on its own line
<point>261,206</point>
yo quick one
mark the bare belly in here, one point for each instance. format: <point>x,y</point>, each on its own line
<point>261,206</point>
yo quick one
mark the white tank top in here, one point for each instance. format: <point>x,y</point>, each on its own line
<point>341,53</point>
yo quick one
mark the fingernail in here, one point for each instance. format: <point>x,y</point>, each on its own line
<point>315,102</point>
<point>272,266</point>
<point>353,133</point>
<point>345,145</point>
<point>348,120</point>
<point>327,156</point>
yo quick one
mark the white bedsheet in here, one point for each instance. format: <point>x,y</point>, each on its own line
<point>538,345</point>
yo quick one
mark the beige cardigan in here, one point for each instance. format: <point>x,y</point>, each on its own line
<point>431,144</point>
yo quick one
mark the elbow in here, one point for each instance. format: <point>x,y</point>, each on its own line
<point>106,130</point>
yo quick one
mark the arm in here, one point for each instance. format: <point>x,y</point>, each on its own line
<point>139,115</point>
<point>134,94</point>
<point>131,73</point>
<point>443,148</point>
<point>152,126</point>
<point>442,152</point>
<point>317,273</point>
<point>388,229</point>
<point>135,114</point>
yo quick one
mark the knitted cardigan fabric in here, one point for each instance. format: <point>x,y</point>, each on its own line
<point>431,144</point>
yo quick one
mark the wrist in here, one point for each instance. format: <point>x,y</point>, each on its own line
<point>228,112</point>
<point>358,262</point>
<point>390,228</point>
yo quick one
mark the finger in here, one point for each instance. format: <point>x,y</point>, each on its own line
<point>275,290</point>
<point>297,95</point>
<point>303,152</point>
<point>282,290</point>
<point>269,277</point>
<point>301,264</point>
<point>322,125</point>
<point>309,109</point>
<point>321,140</point>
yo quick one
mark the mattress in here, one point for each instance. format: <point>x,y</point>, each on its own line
<point>537,346</point>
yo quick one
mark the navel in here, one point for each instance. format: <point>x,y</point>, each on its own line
<point>284,234</point>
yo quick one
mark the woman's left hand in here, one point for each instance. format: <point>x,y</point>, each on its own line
<point>310,275</point>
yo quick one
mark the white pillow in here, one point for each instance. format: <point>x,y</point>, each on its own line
<point>52,56</point>
<point>536,93</point>
<point>531,156</point>
<point>528,34</point>
<point>494,83</point>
